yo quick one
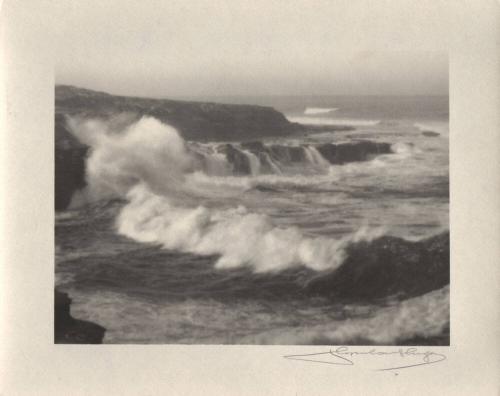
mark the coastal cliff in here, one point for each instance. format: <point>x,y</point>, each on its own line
<point>201,121</point>
<point>194,120</point>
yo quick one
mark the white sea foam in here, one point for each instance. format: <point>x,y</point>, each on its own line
<point>331,121</point>
<point>253,161</point>
<point>319,110</point>
<point>239,237</point>
<point>146,151</point>
<point>147,164</point>
<point>315,157</point>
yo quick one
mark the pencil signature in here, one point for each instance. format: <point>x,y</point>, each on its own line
<point>343,356</point>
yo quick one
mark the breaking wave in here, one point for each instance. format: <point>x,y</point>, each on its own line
<point>239,237</point>
<point>319,110</point>
<point>154,153</point>
<point>148,164</point>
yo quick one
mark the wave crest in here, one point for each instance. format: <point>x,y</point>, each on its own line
<point>319,110</point>
<point>148,163</point>
<point>240,238</point>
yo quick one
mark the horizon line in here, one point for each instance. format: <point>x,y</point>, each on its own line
<point>249,95</point>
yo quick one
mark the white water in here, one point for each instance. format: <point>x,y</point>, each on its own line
<point>148,163</point>
<point>183,196</point>
<point>254,162</point>
<point>319,110</point>
<point>316,158</point>
<point>331,121</point>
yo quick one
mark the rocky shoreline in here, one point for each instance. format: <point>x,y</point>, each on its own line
<point>68,330</point>
<point>194,120</point>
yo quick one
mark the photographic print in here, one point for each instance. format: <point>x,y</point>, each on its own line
<point>237,191</point>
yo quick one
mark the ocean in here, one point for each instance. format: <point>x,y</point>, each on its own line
<point>183,242</point>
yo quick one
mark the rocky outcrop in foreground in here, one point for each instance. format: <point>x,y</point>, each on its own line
<point>388,266</point>
<point>68,330</point>
<point>69,157</point>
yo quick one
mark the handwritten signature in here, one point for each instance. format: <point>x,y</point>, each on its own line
<point>343,356</point>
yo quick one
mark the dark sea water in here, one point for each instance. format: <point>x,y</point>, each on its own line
<point>171,242</point>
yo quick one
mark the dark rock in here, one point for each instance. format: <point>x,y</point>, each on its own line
<point>430,133</point>
<point>353,152</point>
<point>69,157</point>
<point>287,154</point>
<point>256,146</point>
<point>388,266</point>
<point>239,161</point>
<point>328,128</point>
<point>68,330</point>
<point>69,175</point>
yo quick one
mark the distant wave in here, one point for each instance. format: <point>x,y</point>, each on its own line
<point>319,110</point>
<point>331,121</point>
<point>433,127</point>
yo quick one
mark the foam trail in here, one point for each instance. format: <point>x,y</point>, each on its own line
<point>216,164</point>
<point>276,169</point>
<point>315,158</point>
<point>254,162</point>
<point>319,110</point>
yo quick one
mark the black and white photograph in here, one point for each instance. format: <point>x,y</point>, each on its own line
<point>249,197</point>
<point>250,192</point>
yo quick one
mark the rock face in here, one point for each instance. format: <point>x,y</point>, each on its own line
<point>194,120</point>
<point>68,330</point>
<point>389,266</point>
<point>240,162</point>
<point>69,164</point>
<point>336,154</point>
<point>353,152</point>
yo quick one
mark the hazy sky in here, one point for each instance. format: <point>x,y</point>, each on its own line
<point>189,48</point>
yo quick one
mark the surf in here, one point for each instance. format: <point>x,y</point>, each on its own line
<point>319,110</point>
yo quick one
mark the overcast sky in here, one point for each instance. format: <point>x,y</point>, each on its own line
<point>189,48</point>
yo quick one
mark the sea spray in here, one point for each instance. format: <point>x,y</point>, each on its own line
<point>239,237</point>
<point>146,151</point>
<point>319,110</point>
<point>147,164</point>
